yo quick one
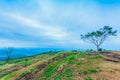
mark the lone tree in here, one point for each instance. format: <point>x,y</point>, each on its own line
<point>9,51</point>
<point>99,36</point>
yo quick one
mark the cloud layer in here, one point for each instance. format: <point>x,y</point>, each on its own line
<point>56,23</point>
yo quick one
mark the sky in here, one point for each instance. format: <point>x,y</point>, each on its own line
<point>57,23</point>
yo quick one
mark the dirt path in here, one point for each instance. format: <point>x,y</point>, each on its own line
<point>111,56</point>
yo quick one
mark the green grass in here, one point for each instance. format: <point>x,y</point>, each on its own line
<point>63,69</point>
<point>54,70</point>
<point>32,69</point>
<point>51,69</point>
<point>25,72</point>
<point>84,67</point>
<point>66,74</point>
<point>89,71</point>
<point>21,63</point>
<point>8,76</point>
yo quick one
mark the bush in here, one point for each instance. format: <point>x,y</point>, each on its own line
<point>88,78</point>
<point>26,63</point>
<point>93,70</point>
<point>100,49</point>
<point>2,63</point>
<point>32,69</point>
<point>83,72</point>
<point>25,72</point>
<point>68,70</point>
<point>89,50</point>
<point>79,63</point>
<point>74,51</point>
<point>95,57</point>
<point>71,57</point>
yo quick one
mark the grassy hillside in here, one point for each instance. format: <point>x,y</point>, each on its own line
<point>63,66</point>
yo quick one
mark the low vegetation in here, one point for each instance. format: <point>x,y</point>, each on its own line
<point>77,65</point>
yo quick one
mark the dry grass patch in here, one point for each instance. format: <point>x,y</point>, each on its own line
<point>110,66</point>
<point>6,66</point>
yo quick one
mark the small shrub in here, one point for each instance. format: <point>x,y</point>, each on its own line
<point>26,63</point>
<point>68,70</point>
<point>79,63</point>
<point>74,51</point>
<point>80,73</point>
<point>89,50</point>
<point>85,72</point>
<point>69,74</point>
<point>25,72</point>
<point>71,57</point>
<point>2,63</point>
<point>93,70</point>
<point>32,69</point>
<point>26,59</point>
<point>95,57</point>
<point>88,78</point>
<point>100,49</point>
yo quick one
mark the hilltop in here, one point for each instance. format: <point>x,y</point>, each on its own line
<point>77,65</point>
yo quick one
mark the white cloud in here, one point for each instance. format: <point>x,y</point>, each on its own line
<point>14,43</point>
<point>54,31</point>
<point>20,44</point>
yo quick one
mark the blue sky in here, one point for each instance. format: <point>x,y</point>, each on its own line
<point>56,23</point>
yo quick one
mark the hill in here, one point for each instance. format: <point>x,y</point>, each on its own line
<point>64,66</point>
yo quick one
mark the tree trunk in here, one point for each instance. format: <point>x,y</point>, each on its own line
<point>98,48</point>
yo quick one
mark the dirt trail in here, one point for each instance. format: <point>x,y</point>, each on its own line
<point>111,56</point>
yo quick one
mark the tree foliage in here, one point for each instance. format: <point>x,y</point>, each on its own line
<point>99,36</point>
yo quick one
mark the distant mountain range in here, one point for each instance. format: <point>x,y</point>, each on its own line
<point>23,52</point>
